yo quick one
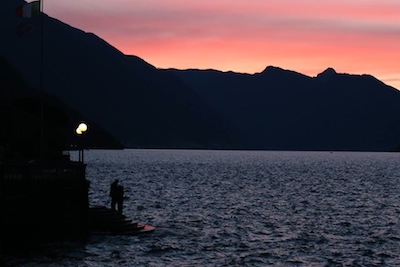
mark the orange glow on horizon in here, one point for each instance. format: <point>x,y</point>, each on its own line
<point>246,36</point>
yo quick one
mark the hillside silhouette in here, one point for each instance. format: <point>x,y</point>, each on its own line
<point>138,104</point>
<point>146,107</point>
<point>281,109</point>
<point>37,125</point>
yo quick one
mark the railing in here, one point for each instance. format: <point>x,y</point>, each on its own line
<point>43,170</point>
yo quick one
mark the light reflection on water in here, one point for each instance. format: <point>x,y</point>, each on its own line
<point>247,208</point>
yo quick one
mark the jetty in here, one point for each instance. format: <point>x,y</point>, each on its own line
<point>105,221</point>
<point>47,201</point>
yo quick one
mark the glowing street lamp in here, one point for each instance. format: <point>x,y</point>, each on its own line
<point>81,129</point>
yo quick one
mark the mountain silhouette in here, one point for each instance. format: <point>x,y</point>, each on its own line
<point>143,106</point>
<point>37,125</point>
<point>138,104</point>
<point>282,109</point>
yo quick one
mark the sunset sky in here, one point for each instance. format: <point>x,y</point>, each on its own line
<point>307,36</point>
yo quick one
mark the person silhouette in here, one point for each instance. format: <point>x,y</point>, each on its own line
<point>120,198</point>
<point>113,193</point>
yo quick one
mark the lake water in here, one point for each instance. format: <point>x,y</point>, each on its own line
<point>244,208</point>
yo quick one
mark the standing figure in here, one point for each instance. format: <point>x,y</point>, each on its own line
<point>113,194</point>
<point>120,198</point>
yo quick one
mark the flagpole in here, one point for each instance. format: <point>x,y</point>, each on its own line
<point>41,78</point>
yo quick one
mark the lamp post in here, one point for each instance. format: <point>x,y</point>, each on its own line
<point>81,129</point>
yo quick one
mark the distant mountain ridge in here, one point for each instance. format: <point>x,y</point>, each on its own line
<point>282,109</point>
<point>152,108</point>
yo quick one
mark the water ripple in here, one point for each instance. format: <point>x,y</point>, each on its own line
<point>243,208</point>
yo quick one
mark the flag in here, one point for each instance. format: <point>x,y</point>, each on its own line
<point>28,10</point>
